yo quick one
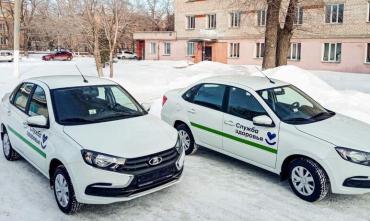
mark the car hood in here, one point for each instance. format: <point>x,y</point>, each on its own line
<point>128,138</point>
<point>341,131</point>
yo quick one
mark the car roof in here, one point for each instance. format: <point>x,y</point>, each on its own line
<point>65,81</point>
<point>254,82</point>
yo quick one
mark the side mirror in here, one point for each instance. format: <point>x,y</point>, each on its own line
<point>264,121</point>
<point>38,121</point>
<point>146,106</point>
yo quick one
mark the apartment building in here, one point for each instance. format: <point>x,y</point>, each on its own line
<point>329,34</point>
<point>7,25</point>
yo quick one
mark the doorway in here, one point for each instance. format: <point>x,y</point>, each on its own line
<point>208,53</point>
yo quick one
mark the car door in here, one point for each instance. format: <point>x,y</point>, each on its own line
<point>17,117</point>
<point>244,139</point>
<point>38,137</point>
<point>205,114</point>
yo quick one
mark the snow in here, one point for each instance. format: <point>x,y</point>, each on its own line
<point>214,187</point>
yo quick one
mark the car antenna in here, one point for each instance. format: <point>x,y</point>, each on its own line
<point>83,77</point>
<point>271,81</point>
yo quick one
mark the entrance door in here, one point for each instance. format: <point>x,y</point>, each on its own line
<point>208,53</point>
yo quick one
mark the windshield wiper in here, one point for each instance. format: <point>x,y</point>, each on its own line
<point>320,115</point>
<point>76,120</point>
<point>298,119</point>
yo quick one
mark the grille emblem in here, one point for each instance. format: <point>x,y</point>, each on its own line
<point>155,161</point>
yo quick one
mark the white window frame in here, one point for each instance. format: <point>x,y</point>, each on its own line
<point>188,47</point>
<point>258,49</point>
<point>295,55</point>
<point>299,16</point>
<point>235,19</point>
<point>167,48</point>
<point>234,50</point>
<point>211,21</point>
<point>260,17</point>
<point>190,22</point>
<point>3,40</point>
<point>367,51</point>
<point>368,12</point>
<point>329,52</point>
<point>331,14</point>
<point>153,48</point>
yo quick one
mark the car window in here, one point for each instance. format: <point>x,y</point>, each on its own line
<point>244,105</point>
<point>22,95</point>
<point>188,95</point>
<point>38,104</point>
<point>210,95</point>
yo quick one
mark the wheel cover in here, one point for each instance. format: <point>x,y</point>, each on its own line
<point>6,145</point>
<point>185,139</point>
<point>61,190</point>
<point>302,180</point>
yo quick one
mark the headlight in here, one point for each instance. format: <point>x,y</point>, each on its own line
<point>354,156</point>
<point>179,145</point>
<point>102,161</point>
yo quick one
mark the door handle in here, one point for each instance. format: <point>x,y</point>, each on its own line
<point>192,111</point>
<point>25,125</point>
<point>9,112</point>
<point>229,122</point>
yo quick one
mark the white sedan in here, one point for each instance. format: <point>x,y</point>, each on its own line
<point>277,127</point>
<point>90,137</point>
<point>6,56</point>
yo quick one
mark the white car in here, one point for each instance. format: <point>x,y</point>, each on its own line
<point>275,126</point>
<point>6,56</point>
<point>127,55</point>
<point>94,142</point>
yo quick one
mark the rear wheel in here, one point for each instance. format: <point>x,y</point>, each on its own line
<point>64,192</point>
<point>308,180</point>
<point>187,139</point>
<point>9,153</point>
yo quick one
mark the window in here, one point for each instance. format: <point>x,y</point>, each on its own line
<point>235,19</point>
<point>298,20</point>
<point>153,48</point>
<point>368,53</point>
<point>93,104</point>
<point>167,48</point>
<point>334,13</point>
<point>210,95</point>
<point>3,40</point>
<point>368,12</point>
<point>38,104</point>
<point>188,96</point>
<point>244,105</point>
<point>21,97</point>
<point>261,17</point>
<point>234,50</point>
<point>211,21</point>
<point>190,49</point>
<point>190,22</point>
<point>332,52</point>
<point>295,52</point>
<point>3,27</point>
<point>260,50</point>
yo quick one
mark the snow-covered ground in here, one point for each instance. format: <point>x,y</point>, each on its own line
<point>214,187</point>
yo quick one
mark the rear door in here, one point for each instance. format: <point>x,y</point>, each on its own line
<point>205,114</point>
<point>243,138</point>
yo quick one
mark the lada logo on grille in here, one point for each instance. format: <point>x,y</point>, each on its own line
<point>155,161</point>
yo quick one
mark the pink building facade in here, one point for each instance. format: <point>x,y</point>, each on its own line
<point>329,35</point>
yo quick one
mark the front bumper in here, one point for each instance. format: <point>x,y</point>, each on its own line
<point>96,186</point>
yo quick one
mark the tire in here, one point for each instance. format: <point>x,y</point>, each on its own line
<point>62,183</point>
<point>187,139</point>
<point>9,153</point>
<point>315,186</point>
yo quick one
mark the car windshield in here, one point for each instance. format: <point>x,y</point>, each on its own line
<point>93,104</point>
<point>293,106</point>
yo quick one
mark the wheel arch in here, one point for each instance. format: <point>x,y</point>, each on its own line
<point>53,165</point>
<point>285,165</point>
<point>2,130</point>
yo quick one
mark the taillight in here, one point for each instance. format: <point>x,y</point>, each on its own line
<point>164,100</point>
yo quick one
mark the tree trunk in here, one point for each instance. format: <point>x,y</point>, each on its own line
<point>285,35</point>
<point>97,55</point>
<point>272,27</point>
<point>111,64</point>
<point>25,43</point>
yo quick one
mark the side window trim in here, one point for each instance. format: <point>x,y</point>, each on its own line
<point>227,104</point>
<point>12,95</point>
<point>29,100</point>
<point>25,111</point>
<point>31,97</point>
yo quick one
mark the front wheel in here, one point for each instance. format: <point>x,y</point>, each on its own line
<point>308,180</point>
<point>64,192</point>
<point>9,153</point>
<point>187,139</point>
